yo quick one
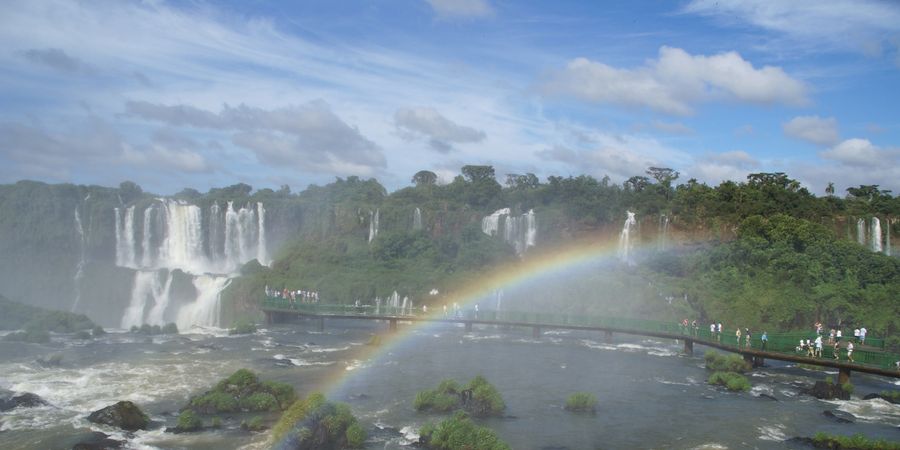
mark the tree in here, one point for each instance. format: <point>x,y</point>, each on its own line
<point>527,181</point>
<point>663,175</point>
<point>424,178</point>
<point>476,174</point>
<point>636,183</point>
<point>829,190</point>
<point>130,191</point>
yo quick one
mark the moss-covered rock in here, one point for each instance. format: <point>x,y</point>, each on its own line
<point>732,381</point>
<point>242,391</point>
<point>479,397</point>
<point>459,432</point>
<point>581,402</point>
<point>125,415</point>
<point>315,423</point>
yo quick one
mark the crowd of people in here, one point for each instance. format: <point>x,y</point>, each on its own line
<point>299,295</point>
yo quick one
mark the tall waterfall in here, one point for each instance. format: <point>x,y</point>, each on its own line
<point>373,225</point>
<point>173,237</point>
<point>887,238</point>
<point>417,219</point>
<point>663,233</point>
<point>625,244</point>
<point>518,231</point>
<point>861,231</point>
<point>79,268</point>
<point>876,235</point>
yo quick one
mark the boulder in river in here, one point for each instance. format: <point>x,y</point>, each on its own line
<point>827,391</point>
<point>26,400</point>
<point>97,441</point>
<point>125,415</point>
<point>839,416</point>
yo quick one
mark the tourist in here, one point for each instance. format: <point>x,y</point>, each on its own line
<point>712,330</point>
<point>850,351</point>
<point>719,332</point>
<point>694,328</point>
<point>747,332</point>
<point>765,340</point>
<point>810,348</point>
<point>856,335</point>
<point>837,350</point>
<point>862,335</point>
<point>831,337</point>
<point>424,309</point>
<point>818,353</point>
<point>838,335</point>
<point>476,310</point>
<point>737,334</point>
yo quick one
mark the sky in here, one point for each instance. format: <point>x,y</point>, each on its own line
<point>176,94</point>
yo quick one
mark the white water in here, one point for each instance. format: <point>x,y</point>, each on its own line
<point>625,243</point>
<point>887,239</point>
<point>373,225</point>
<point>230,240</point>
<point>861,231</point>
<point>876,235</point>
<point>394,300</point>
<point>499,296</point>
<point>518,231</point>
<point>417,219</point>
<point>663,232</point>
<point>79,268</point>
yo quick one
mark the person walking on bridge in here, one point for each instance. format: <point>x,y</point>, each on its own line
<point>737,334</point>
<point>818,346</point>
<point>850,351</point>
<point>747,333</point>
<point>765,340</point>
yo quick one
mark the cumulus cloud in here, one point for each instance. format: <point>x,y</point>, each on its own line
<point>671,127</point>
<point>441,132</point>
<point>56,59</point>
<point>677,80</point>
<point>860,153</point>
<point>815,129</point>
<point>715,168</point>
<point>461,9</point>
<point>309,136</point>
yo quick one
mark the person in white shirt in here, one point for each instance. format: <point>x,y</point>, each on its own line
<point>862,335</point>
<point>850,351</point>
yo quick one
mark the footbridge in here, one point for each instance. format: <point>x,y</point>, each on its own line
<point>870,358</point>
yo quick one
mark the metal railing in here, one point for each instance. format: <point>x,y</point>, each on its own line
<point>787,343</point>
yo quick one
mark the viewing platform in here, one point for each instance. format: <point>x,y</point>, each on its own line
<point>780,346</point>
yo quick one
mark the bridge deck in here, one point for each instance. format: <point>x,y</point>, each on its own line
<point>780,346</point>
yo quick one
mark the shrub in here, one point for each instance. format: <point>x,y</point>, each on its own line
<point>581,402</point>
<point>487,400</point>
<point>260,401</point>
<point>255,424</point>
<point>732,381</point>
<point>829,380</point>
<point>730,363</point>
<point>893,396</point>
<point>283,392</point>
<point>296,413</point>
<point>188,421</point>
<point>356,436</point>
<point>459,432</point>
<point>216,422</point>
<point>484,398</point>
<point>847,387</point>
<point>317,423</point>
<point>856,442</point>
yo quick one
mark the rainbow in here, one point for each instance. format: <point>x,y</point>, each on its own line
<point>537,264</point>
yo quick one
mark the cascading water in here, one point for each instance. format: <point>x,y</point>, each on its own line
<point>876,235</point>
<point>373,225</point>
<point>861,231</point>
<point>887,238</point>
<point>417,219</point>
<point>518,231</point>
<point>625,244</point>
<point>79,268</point>
<point>662,243</point>
<point>174,238</point>
<point>499,296</point>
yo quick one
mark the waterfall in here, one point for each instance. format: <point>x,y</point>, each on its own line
<point>876,235</point>
<point>394,300</point>
<point>861,231</point>
<point>373,224</point>
<point>182,247</point>
<point>204,311</point>
<point>887,238</point>
<point>147,287</point>
<point>216,234</point>
<point>518,231</point>
<point>625,243</point>
<point>242,237</point>
<point>261,247</point>
<point>79,268</point>
<point>417,219</point>
<point>406,306</point>
<point>662,242</point>
<point>499,296</point>
<point>161,292</point>
<point>125,256</point>
<point>146,256</point>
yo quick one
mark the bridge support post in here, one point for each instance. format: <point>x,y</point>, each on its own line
<point>689,347</point>
<point>268,315</point>
<point>320,324</point>
<point>843,376</point>
<point>749,358</point>
<point>536,332</point>
<point>468,327</point>
<point>392,325</point>
<point>607,336</point>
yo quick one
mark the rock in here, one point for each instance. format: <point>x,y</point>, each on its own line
<point>827,391</point>
<point>26,400</point>
<point>876,395</point>
<point>124,414</point>
<point>801,440</point>
<point>767,397</point>
<point>98,441</point>
<point>839,416</point>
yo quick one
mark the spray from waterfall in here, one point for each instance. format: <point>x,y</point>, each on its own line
<point>662,241</point>
<point>146,256</point>
<point>625,244</point>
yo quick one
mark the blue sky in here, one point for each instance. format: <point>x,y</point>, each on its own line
<point>194,94</point>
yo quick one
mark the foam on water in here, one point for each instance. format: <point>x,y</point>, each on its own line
<point>772,433</point>
<point>875,410</point>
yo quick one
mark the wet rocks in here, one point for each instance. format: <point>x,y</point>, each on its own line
<point>125,415</point>
<point>894,399</point>
<point>839,416</point>
<point>26,400</point>
<point>827,391</point>
<point>98,441</point>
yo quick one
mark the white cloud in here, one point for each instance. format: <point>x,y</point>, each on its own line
<point>309,137</point>
<point>441,131</point>
<point>671,127</point>
<point>860,153</point>
<point>866,26</point>
<point>57,59</point>
<point>718,167</point>
<point>454,9</point>
<point>676,81</point>
<point>815,129</point>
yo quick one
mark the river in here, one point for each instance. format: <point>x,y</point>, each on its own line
<point>649,396</point>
